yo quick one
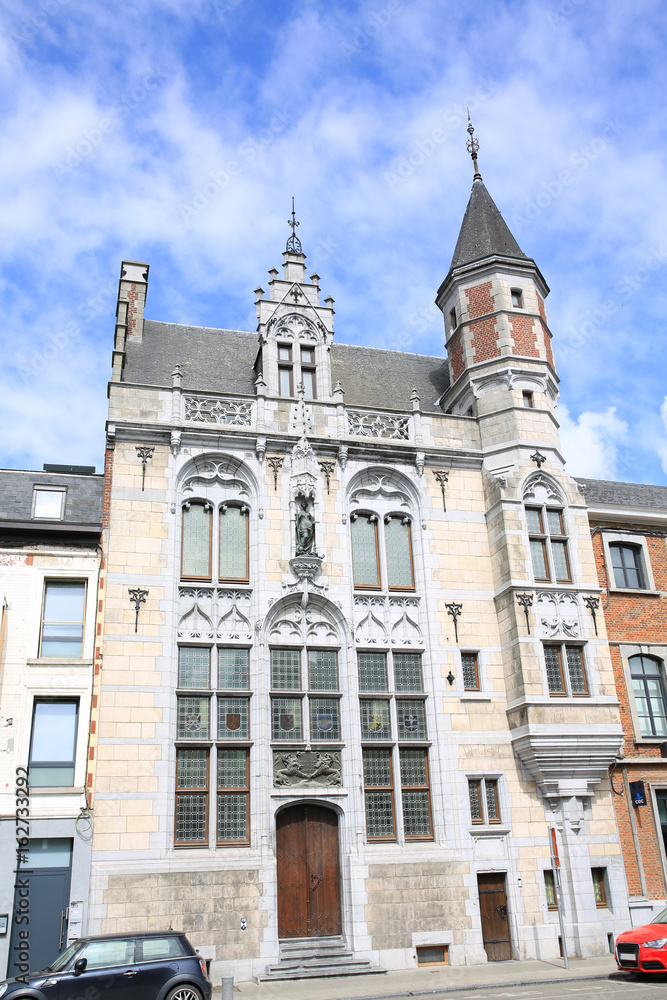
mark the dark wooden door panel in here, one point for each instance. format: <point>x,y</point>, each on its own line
<point>495,919</point>
<point>308,872</point>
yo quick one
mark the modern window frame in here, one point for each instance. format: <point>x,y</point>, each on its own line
<point>39,489</point>
<point>381,557</point>
<point>657,651</point>
<point>640,542</point>
<point>35,764</point>
<point>660,677</point>
<point>546,538</point>
<point>565,671</point>
<point>43,621</point>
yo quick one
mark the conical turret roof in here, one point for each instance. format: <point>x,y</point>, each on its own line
<point>484,232</point>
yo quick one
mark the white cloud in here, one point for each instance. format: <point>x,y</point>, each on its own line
<point>590,442</point>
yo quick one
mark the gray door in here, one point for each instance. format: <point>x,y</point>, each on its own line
<point>41,894</point>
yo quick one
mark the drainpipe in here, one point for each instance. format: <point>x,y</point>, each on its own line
<point>633,827</point>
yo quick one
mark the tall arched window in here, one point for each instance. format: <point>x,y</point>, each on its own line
<point>648,687</point>
<point>370,536</point>
<point>197,546</point>
<point>233,542</point>
<point>196,541</point>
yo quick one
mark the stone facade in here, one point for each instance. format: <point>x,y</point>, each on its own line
<point>441,465</point>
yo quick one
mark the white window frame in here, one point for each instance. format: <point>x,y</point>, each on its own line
<point>638,541</point>
<point>37,489</point>
<point>628,650</point>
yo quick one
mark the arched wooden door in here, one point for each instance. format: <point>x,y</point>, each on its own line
<point>308,872</point>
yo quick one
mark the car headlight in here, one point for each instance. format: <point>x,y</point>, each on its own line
<point>660,943</point>
<point>3,989</point>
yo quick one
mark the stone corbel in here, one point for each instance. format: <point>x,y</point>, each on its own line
<point>260,448</point>
<point>175,442</point>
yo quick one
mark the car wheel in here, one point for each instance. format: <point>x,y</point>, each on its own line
<point>184,992</point>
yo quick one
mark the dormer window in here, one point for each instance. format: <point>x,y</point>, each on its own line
<point>285,370</point>
<point>517,298</point>
<point>49,503</point>
<point>308,372</point>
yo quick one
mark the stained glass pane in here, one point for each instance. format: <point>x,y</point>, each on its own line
<point>399,557</point>
<point>191,818</point>
<point>364,553</point>
<point>416,814</point>
<point>537,552</point>
<point>407,672</point>
<point>469,667</point>
<point>285,669</point>
<point>372,671</point>
<point>377,767</point>
<point>534,519</point>
<point>191,769</point>
<point>575,666</point>
<point>286,714</point>
<point>233,718</point>
<point>555,522</point>
<point>232,768</point>
<point>233,544</point>
<point>379,814</point>
<point>413,767</point>
<point>559,552</point>
<point>193,718</point>
<point>322,670</point>
<point>196,541</point>
<point>324,719</point>
<point>475,804</point>
<point>492,812</point>
<point>411,719</point>
<point>554,674</point>
<point>232,817</point>
<point>233,668</point>
<point>193,667</point>
<point>375,720</point>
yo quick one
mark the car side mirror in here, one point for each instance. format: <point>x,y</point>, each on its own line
<point>80,966</point>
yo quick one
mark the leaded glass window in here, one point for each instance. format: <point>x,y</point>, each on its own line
<point>191,817</point>
<point>193,666</point>
<point>324,722</point>
<point>649,691</point>
<point>415,794</point>
<point>233,543</point>
<point>575,668</point>
<point>192,768</point>
<point>233,715</point>
<point>191,806</point>
<point>365,551</point>
<point>378,783</point>
<point>398,547</point>
<point>193,718</point>
<point>569,681</point>
<point>233,796</point>
<point>475,801</point>
<point>407,672</point>
<point>233,669</point>
<point>548,544</point>
<point>286,715</point>
<point>470,671</point>
<point>372,671</point>
<point>555,679</point>
<point>322,670</point>
<point>491,790</point>
<point>196,542</point>
<point>375,724</point>
<point>538,552</point>
<point>483,796</point>
<point>411,718</point>
<point>286,669</point>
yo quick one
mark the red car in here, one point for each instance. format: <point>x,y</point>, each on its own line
<point>644,949</point>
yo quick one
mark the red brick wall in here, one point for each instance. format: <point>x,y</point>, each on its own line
<point>540,306</point>
<point>635,618</point>
<point>480,300</point>
<point>523,335</point>
<point>455,352</point>
<point>106,500</point>
<point>484,340</point>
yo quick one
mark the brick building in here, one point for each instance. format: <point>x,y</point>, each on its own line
<point>333,732</point>
<point>629,532</point>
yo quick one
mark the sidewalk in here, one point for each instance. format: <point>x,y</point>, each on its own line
<point>425,981</point>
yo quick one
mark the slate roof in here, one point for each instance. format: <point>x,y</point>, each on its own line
<point>223,361</point>
<point>484,232</point>
<point>82,506</point>
<point>624,494</point>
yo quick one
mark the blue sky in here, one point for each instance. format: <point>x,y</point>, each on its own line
<point>177,131</point>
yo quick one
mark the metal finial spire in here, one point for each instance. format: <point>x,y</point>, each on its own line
<point>472,145</point>
<point>293,243</point>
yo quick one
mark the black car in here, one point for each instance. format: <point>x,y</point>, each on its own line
<point>159,966</point>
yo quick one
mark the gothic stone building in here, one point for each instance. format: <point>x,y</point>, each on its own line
<point>330,716</point>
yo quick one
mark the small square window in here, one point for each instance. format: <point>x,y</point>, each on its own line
<point>517,298</point>
<point>433,954</point>
<point>48,504</point>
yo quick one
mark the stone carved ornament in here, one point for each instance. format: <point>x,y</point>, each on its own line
<point>557,614</point>
<point>307,768</point>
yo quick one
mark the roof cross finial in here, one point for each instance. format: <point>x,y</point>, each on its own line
<point>472,145</point>
<point>293,243</point>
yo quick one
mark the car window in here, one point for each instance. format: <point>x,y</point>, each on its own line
<point>661,918</point>
<point>115,951</point>
<point>63,959</point>
<point>162,947</point>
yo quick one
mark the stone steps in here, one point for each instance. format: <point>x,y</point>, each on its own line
<point>316,958</point>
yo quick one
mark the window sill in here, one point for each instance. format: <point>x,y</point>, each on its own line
<point>56,790</point>
<point>489,830</point>
<point>51,661</point>
<point>475,696</point>
<point>637,591</point>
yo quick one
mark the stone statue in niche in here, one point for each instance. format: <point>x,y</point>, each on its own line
<point>305,528</point>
